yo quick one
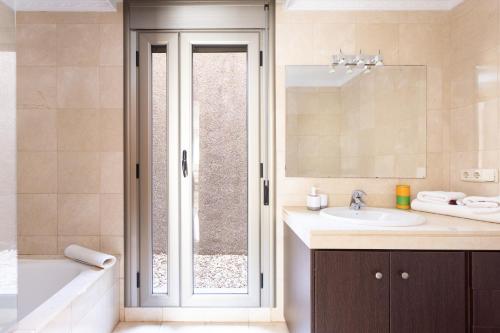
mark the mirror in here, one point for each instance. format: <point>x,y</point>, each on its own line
<point>356,123</point>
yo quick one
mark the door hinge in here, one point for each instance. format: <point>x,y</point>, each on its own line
<point>137,171</point>
<point>266,192</point>
<point>138,280</point>
<point>261,280</point>
<point>137,58</point>
<point>261,58</point>
<point>262,170</point>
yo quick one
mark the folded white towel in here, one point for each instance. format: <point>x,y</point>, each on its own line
<point>89,257</point>
<point>480,214</point>
<point>480,202</point>
<point>439,196</point>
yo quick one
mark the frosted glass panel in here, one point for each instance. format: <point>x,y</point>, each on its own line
<point>220,169</point>
<point>159,167</point>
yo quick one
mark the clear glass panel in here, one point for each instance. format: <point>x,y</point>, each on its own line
<point>159,169</point>
<point>220,166</point>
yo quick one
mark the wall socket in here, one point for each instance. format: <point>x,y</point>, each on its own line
<point>479,175</point>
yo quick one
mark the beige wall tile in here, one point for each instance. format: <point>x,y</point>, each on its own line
<point>421,44</point>
<point>92,242</point>
<point>37,245</point>
<point>36,130</point>
<point>112,17</point>
<point>36,87</point>
<point>112,214</point>
<point>77,44</point>
<point>78,130</point>
<point>36,44</point>
<point>329,38</point>
<point>112,245</point>
<point>79,172</point>
<point>37,172</point>
<point>78,87</point>
<point>111,129</point>
<point>111,51</point>
<point>295,45</point>
<point>78,214</point>
<point>112,172</point>
<point>111,87</point>
<point>76,17</point>
<point>37,214</point>
<point>35,18</point>
<point>370,38</point>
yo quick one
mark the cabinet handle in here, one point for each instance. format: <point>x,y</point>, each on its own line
<point>379,276</point>
<point>405,276</point>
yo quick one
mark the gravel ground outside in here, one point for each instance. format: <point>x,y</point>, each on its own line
<point>211,272</point>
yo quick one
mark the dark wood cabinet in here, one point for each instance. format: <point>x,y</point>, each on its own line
<point>337,291</point>
<point>486,292</point>
<point>352,291</point>
<point>428,292</point>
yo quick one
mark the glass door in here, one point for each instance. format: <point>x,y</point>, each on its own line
<point>159,169</point>
<point>200,169</point>
<point>220,209</point>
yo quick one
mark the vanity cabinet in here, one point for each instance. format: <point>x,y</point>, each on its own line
<point>365,291</point>
<point>486,292</point>
<point>428,292</point>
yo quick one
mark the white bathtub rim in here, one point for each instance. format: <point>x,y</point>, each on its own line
<point>63,298</point>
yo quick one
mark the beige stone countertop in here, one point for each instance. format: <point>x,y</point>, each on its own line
<point>440,232</point>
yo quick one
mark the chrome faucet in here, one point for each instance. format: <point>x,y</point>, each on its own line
<point>357,200</point>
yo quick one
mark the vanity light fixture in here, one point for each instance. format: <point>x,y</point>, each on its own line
<point>360,60</point>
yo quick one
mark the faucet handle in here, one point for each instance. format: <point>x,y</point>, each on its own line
<point>358,194</point>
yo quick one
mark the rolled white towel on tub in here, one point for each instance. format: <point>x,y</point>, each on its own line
<point>89,257</point>
<point>439,196</point>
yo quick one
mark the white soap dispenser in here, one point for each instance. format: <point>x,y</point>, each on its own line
<point>313,200</point>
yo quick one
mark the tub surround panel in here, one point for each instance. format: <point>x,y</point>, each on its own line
<point>89,302</point>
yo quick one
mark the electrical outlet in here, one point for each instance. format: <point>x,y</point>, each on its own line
<point>479,175</point>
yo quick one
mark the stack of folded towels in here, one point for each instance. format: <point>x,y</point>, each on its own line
<point>458,204</point>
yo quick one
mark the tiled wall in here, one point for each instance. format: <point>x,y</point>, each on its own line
<point>70,131</point>
<point>404,38</point>
<point>475,92</point>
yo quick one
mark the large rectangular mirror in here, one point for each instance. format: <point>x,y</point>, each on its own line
<point>356,123</point>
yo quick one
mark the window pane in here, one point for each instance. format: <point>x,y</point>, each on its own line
<point>220,166</point>
<point>159,169</point>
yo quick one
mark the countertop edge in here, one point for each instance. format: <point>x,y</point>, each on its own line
<point>404,239</point>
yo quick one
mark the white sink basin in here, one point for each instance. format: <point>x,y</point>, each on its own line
<point>381,217</point>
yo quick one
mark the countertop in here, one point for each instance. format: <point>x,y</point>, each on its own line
<point>440,232</point>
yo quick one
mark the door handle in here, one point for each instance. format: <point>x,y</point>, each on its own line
<point>184,164</point>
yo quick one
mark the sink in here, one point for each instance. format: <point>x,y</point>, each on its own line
<point>381,217</point>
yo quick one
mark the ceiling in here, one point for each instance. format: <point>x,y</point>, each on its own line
<point>371,4</point>
<point>65,5</point>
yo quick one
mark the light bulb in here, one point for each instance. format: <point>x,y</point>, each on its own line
<point>332,69</point>
<point>349,69</point>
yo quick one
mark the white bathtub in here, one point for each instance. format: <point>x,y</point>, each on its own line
<point>60,295</point>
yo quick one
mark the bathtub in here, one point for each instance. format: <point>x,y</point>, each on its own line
<point>61,295</point>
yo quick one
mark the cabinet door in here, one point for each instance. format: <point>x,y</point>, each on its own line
<point>428,292</point>
<point>486,292</point>
<point>350,297</point>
